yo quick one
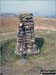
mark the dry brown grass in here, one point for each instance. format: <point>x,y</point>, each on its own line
<point>9,24</point>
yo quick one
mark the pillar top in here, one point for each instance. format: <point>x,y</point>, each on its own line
<point>24,15</point>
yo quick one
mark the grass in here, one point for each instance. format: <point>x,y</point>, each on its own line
<point>8,50</point>
<point>45,42</point>
<point>8,36</point>
<point>38,67</point>
<point>46,34</point>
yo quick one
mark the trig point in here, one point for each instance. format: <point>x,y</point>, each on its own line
<point>26,37</point>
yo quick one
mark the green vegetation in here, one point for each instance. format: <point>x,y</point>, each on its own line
<point>8,51</point>
<point>38,67</point>
<point>46,34</point>
<point>45,42</point>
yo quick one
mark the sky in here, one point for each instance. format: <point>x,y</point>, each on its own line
<point>42,7</point>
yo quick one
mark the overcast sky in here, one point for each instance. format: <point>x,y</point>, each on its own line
<point>44,7</point>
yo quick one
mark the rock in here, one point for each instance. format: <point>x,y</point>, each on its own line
<point>26,38</point>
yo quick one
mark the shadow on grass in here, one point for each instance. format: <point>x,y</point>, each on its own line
<point>39,42</point>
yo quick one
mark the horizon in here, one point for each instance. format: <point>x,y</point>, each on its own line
<point>40,8</point>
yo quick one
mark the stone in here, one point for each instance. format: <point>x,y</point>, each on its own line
<point>26,37</point>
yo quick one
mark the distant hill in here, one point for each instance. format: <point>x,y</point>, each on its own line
<point>8,15</point>
<point>34,15</point>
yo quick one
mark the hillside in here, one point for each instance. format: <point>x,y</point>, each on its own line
<point>44,23</point>
<point>44,39</point>
<point>15,65</point>
<point>9,24</point>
